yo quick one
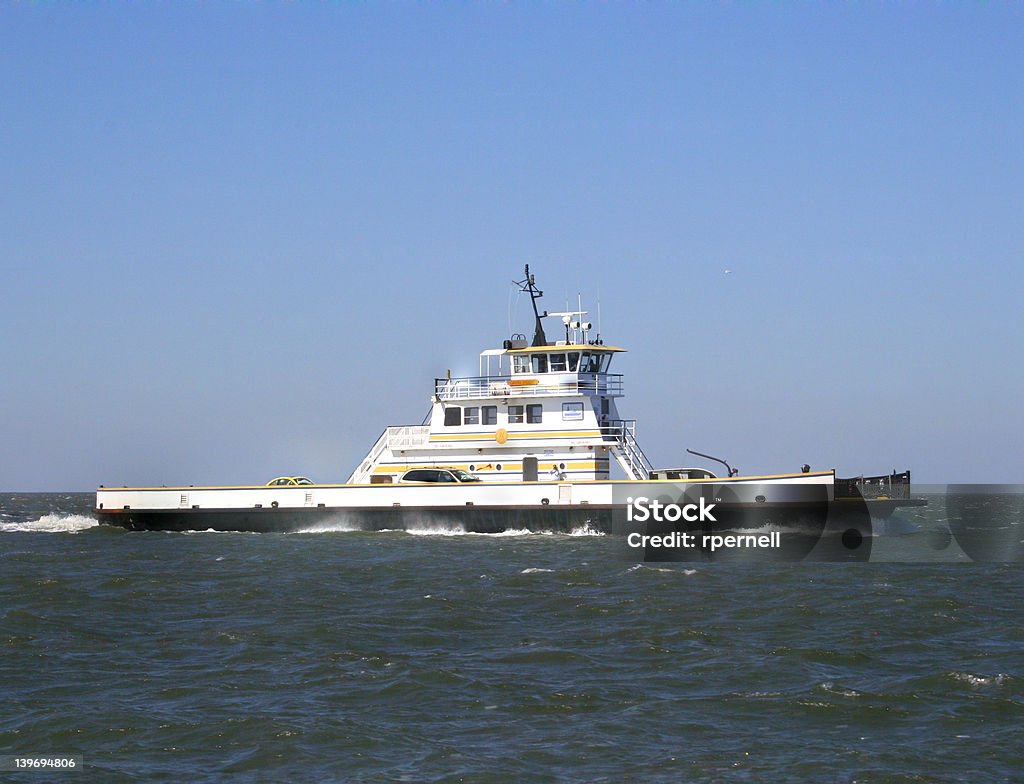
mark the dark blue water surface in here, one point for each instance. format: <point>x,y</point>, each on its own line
<point>352,656</point>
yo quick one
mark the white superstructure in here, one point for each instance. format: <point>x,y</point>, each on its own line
<point>535,412</point>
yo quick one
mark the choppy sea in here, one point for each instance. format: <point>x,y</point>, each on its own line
<point>342,655</point>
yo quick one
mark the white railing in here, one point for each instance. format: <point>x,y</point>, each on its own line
<point>362,473</point>
<point>392,439</point>
<point>630,456</point>
<point>605,384</point>
<point>407,436</point>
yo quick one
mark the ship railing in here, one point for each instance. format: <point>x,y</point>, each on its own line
<point>467,387</point>
<point>895,486</point>
<point>365,468</point>
<point>393,438</point>
<point>406,436</point>
<point>630,456</point>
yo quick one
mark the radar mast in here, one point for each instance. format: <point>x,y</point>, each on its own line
<point>530,287</point>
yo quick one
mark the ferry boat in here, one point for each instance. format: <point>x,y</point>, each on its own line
<point>527,443</point>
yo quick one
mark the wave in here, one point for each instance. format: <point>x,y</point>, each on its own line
<point>52,524</point>
<point>457,531</point>
<point>978,681</point>
<point>439,531</point>
<point>329,528</point>
<point>650,568</point>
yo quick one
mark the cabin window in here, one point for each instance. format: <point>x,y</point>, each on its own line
<point>558,363</point>
<point>572,411</point>
<point>574,361</point>
<point>540,363</point>
<point>452,416</point>
<point>515,414</point>
<point>472,416</point>
<point>534,412</point>
<point>520,363</point>
<point>591,363</point>
<point>490,415</point>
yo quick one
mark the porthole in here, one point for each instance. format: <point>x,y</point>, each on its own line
<point>472,468</point>
<point>497,467</point>
<point>561,466</point>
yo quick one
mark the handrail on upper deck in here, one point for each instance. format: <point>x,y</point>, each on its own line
<point>606,384</point>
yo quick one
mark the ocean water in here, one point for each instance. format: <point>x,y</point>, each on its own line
<point>432,656</point>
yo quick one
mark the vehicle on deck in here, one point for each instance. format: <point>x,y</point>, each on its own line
<point>289,481</point>
<point>444,474</point>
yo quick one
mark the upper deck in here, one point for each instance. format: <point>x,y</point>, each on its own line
<point>561,369</point>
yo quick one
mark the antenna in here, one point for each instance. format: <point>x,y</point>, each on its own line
<point>579,306</point>
<point>529,286</point>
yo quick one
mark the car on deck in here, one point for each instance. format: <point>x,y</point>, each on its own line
<point>440,475</point>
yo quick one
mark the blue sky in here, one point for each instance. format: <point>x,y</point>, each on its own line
<point>237,240</point>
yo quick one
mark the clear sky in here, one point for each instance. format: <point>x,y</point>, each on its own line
<point>238,240</point>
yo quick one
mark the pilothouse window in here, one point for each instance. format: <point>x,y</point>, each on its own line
<point>540,363</point>
<point>558,363</point>
<point>574,361</point>
<point>591,362</point>
<point>520,363</point>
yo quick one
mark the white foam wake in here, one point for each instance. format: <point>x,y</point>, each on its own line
<point>53,524</point>
<point>650,568</point>
<point>979,680</point>
<point>463,532</point>
<point>330,528</point>
<point>586,530</point>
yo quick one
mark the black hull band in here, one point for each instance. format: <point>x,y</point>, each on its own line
<point>290,520</point>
